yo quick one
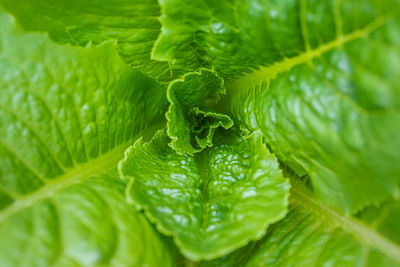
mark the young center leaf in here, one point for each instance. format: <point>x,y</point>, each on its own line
<point>67,114</point>
<point>191,125</point>
<point>213,202</point>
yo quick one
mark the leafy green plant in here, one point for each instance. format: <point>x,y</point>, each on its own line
<point>199,133</point>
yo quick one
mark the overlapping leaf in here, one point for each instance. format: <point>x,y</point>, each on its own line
<point>134,24</point>
<point>212,202</point>
<point>323,82</point>
<point>313,234</point>
<point>67,114</point>
<point>319,78</point>
<point>336,116</point>
<point>236,37</point>
<point>87,224</point>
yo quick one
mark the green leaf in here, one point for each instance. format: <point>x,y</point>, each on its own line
<point>313,234</point>
<point>134,24</point>
<point>238,37</point>
<point>181,40</point>
<point>334,113</point>
<point>191,126</point>
<point>321,82</point>
<point>87,224</point>
<point>213,202</point>
<point>68,114</point>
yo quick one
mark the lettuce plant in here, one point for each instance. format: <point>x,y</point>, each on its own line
<point>199,133</point>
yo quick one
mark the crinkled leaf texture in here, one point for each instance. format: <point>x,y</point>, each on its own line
<point>319,79</point>
<point>238,37</point>
<point>334,113</point>
<point>133,23</point>
<point>313,234</point>
<point>66,116</point>
<point>86,224</point>
<point>213,202</point>
<point>191,125</point>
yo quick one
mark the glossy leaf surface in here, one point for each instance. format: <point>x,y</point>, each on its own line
<point>238,37</point>
<point>336,117</point>
<point>86,224</point>
<point>67,114</point>
<point>313,234</point>
<point>134,24</point>
<point>213,202</point>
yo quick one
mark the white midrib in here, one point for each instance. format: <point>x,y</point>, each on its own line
<point>76,175</point>
<point>351,225</point>
<point>265,74</point>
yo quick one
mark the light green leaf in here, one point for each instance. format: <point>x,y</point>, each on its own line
<point>238,37</point>
<point>313,234</point>
<point>134,24</point>
<point>67,114</point>
<point>334,113</point>
<point>190,125</point>
<point>320,81</point>
<point>181,40</point>
<point>87,224</point>
<point>213,202</point>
